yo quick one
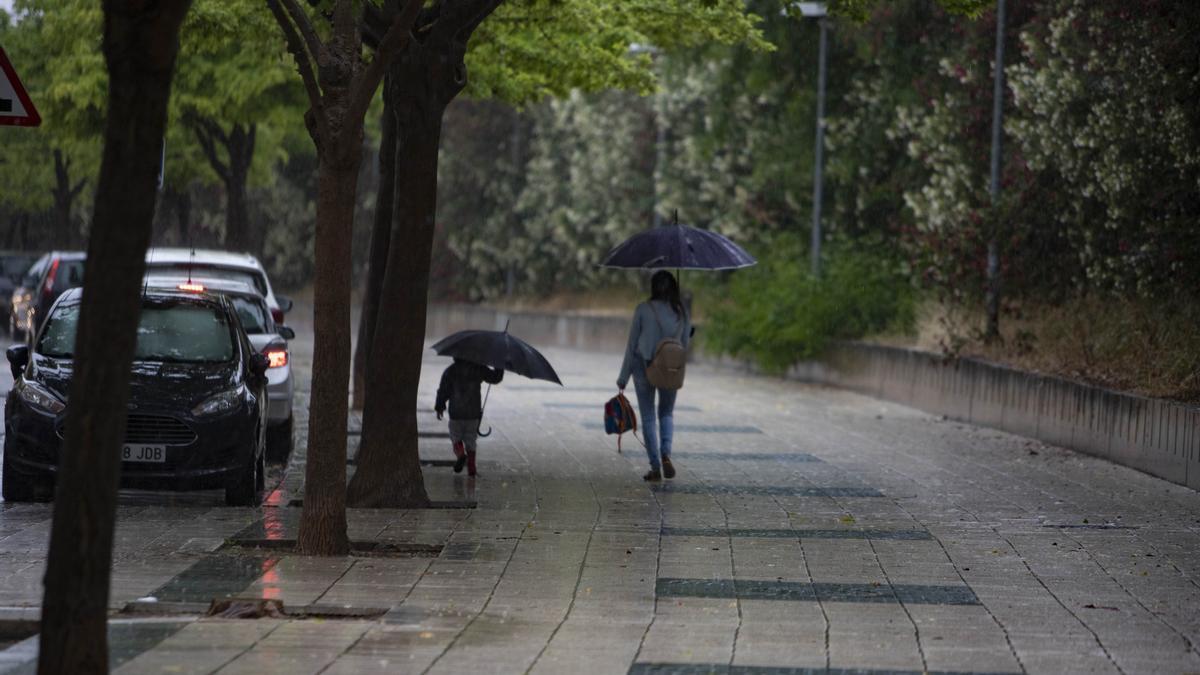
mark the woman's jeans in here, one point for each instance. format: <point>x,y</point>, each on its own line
<point>666,415</point>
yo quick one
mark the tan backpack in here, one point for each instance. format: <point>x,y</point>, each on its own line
<point>666,369</point>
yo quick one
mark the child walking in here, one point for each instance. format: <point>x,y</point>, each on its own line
<point>460,388</point>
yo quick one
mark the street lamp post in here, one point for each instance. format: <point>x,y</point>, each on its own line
<point>992,300</point>
<point>816,10</point>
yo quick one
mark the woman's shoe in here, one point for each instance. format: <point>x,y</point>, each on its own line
<point>668,469</point>
<point>653,476</point>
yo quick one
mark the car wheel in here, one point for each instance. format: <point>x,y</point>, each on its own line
<point>261,480</point>
<point>279,441</point>
<point>244,488</point>
<point>21,487</point>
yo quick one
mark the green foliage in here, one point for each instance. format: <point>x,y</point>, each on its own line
<point>569,183</point>
<point>1106,113</point>
<point>233,68</point>
<point>530,49</point>
<point>69,90</point>
<point>1101,158</point>
<point>778,313</point>
<point>861,9</point>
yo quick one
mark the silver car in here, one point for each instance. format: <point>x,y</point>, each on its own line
<point>212,264</point>
<point>266,336</point>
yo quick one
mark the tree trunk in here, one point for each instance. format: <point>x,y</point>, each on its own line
<point>323,523</point>
<point>240,146</point>
<point>183,215</point>
<point>380,241</point>
<point>140,45</point>
<point>428,75</point>
<point>64,199</point>
<point>233,172</point>
<point>389,467</point>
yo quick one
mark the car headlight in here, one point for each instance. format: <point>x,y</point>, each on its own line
<point>39,397</point>
<point>222,402</point>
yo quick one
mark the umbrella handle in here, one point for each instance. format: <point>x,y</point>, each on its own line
<point>479,429</point>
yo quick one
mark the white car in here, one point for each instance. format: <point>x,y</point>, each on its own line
<point>266,336</point>
<point>212,264</point>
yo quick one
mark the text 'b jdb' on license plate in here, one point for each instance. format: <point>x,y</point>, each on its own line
<point>143,453</point>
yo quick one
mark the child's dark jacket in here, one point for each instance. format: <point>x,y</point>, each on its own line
<point>460,387</point>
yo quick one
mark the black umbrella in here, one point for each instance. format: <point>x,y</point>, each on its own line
<point>497,349</point>
<point>678,247</point>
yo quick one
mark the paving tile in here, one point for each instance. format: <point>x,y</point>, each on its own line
<point>825,592</point>
<point>841,531</point>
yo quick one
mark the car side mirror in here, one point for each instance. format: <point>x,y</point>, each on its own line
<point>285,303</point>
<point>18,358</point>
<point>259,364</point>
<point>285,332</point>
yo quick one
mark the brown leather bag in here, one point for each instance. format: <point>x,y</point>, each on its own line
<point>669,365</point>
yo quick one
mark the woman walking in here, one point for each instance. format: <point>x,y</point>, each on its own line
<point>660,318</point>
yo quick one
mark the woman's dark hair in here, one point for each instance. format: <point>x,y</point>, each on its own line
<point>663,286</point>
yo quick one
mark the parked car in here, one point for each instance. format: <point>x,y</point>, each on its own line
<point>197,403</point>
<point>212,264</point>
<point>13,266</point>
<point>48,278</point>
<point>267,337</point>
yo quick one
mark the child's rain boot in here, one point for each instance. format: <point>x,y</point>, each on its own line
<point>460,454</point>
<point>470,464</point>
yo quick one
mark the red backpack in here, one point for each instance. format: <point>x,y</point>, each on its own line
<point>619,418</point>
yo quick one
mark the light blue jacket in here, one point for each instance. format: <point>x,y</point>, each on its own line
<point>645,334</point>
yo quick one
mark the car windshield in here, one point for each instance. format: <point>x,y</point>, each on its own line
<point>256,281</point>
<point>169,330</point>
<point>252,314</point>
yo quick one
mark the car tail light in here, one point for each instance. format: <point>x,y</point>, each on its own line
<point>49,286</point>
<point>276,357</point>
<point>277,315</point>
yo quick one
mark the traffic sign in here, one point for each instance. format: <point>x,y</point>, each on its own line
<point>15,107</point>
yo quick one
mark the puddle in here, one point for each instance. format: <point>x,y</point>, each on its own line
<point>375,549</point>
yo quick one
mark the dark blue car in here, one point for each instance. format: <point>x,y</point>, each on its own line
<point>197,407</point>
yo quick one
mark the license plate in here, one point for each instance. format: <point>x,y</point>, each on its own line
<point>144,453</point>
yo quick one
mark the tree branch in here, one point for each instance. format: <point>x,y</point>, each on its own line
<point>205,139</point>
<point>251,136</point>
<point>214,130</point>
<point>393,42</point>
<point>300,19</point>
<point>373,24</point>
<point>464,17</point>
<point>483,10</point>
<point>304,64</point>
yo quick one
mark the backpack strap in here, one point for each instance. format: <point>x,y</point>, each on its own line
<point>656,319</point>
<point>630,421</point>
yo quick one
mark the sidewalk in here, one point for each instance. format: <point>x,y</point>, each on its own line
<point>808,529</point>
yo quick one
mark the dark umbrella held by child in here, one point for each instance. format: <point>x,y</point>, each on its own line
<point>480,356</point>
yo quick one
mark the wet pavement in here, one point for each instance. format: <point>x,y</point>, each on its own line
<point>809,530</point>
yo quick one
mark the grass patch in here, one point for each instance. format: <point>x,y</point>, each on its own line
<point>1148,346</point>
